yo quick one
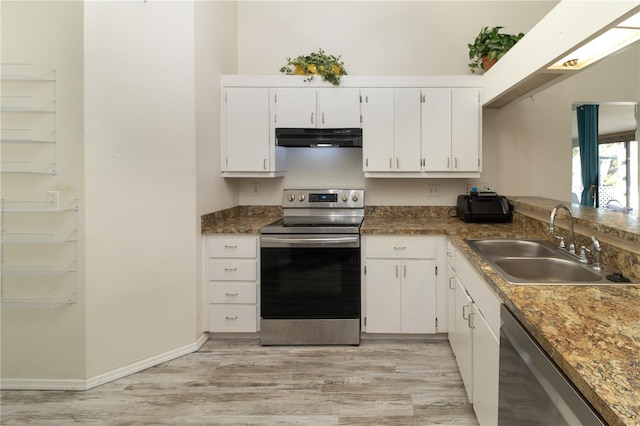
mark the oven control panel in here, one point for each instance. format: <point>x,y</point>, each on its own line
<point>323,198</point>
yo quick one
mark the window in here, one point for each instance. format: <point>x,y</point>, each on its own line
<point>617,175</point>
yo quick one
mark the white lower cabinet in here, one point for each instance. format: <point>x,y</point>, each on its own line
<point>464,337</point>
<point>486,360</point>
<point>475,338</point>
<point>399,284</point>
<point>231,283</point>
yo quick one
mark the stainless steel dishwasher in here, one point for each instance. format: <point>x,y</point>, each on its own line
<point>532,389</point>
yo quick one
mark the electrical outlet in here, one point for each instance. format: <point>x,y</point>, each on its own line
<point>467,188</point>
<point>53,198</point>
<point>433,190</point>
<point>256,189</point>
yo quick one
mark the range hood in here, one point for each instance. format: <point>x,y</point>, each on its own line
<point>319,138</point>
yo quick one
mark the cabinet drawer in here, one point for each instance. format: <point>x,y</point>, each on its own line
<point>233,246</point>
<point>232,318</point>
<point>401,247</point>
<point>232,270</point>
<point>231,293</point>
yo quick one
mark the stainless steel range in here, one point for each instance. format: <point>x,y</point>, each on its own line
<point>310,269</point>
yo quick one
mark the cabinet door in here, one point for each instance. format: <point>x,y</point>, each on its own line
<point>246,130</point>
<point>406,116</point>
<point>451,307</point>
<point>383,296</point>
<point>465,133</point>
<point>464,349</point>
<point>377,130</point>
<point>418,287</point>
<point>436,129</point>
<point>338,108</point>
<point>486,360</point>
<point>295,107</point>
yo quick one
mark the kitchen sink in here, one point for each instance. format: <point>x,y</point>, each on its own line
<point>537,262</point>
<point>513,248</point>
<point>546,270</point>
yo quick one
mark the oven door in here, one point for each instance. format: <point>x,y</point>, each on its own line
<point>310,276</point>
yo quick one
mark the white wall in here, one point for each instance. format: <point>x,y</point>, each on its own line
<point>140,175</point>
<point>527,147</point>
<point>215,38</point>
<point>43,343</point>
<point>374,38</point>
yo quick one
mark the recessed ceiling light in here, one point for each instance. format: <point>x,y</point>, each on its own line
<point>624,34</point>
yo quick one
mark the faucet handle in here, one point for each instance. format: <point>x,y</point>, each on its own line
<point>561,244</point>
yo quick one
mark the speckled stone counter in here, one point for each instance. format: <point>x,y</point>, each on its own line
<point>240,219</point>
<point>591,332</point>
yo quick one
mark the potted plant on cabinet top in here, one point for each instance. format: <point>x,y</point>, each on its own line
<point>328,67</point>
<point>489,46</point>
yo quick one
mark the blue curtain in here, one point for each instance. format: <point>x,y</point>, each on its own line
<point>588,141</point>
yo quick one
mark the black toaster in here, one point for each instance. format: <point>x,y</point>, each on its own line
<point>484,207</point>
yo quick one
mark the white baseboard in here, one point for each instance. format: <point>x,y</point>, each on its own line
<point>43,384</point>
<point>118,373</point>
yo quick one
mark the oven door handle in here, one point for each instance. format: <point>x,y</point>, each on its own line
<point>268,241</point>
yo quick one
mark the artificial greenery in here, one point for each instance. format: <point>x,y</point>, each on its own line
<point>329,67</point>
<point>492,44</point>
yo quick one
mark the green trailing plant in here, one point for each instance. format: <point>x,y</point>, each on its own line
<point>492,44</point>
<point>328,67</point>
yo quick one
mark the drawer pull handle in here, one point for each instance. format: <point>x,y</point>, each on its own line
<point>231,269</point>
<point>231,318</point>
<point>399,247</point>
<point>230,247</point>
<point>450,281</point>
<point>231,294</point>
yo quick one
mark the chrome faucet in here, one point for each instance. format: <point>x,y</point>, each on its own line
<point>597,260</point>
<point>552,218</point>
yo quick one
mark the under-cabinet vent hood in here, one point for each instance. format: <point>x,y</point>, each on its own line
<point>319,138</point>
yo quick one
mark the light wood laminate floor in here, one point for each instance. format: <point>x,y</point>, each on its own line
<point>231,382</point>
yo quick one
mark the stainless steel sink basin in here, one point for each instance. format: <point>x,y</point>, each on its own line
<point>513,248</point>
<point>536,262</point>
<point>546,270</point>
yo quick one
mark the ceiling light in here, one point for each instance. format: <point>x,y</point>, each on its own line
<point>614,39</point>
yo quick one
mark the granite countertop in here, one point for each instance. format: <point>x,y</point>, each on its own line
<point>591,332</point>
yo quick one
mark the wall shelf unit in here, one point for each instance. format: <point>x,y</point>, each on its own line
<point>29,119</point>
<point>39,252</point>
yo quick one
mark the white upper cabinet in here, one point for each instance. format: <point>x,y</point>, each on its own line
<point>465,129</point>
<point>317,108</point>
<point>451,130</point>
<point>436,129</point>
<point>247,148</point>
<point>422,132</point>
<point>377,130</point>
<point>391,130</point>
<point>406,110</point>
